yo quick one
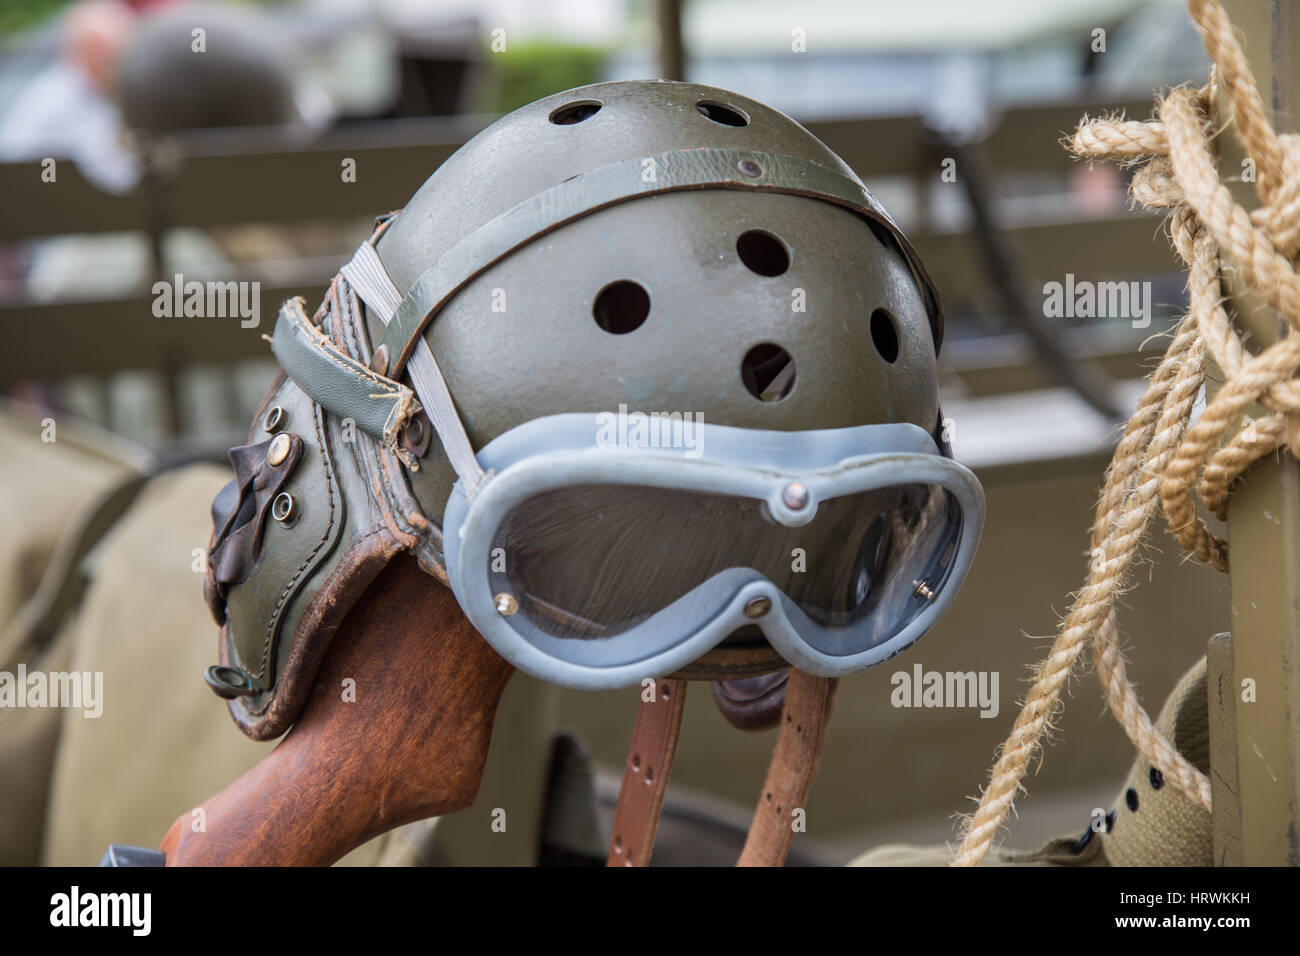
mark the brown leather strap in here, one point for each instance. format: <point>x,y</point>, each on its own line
<point>807,712</point>
<point>645,781</point>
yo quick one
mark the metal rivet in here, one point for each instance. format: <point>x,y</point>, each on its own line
<point>284,507</point>
<point>506,604</point>
<point>275,418</point>
<point>230,676</point>
<point>924,590</point>
<point>757,607</point>
<point>749,167</point>
<point>416,437</point>
<point>795,496</point>
<point>279,450</point>
<point>379,361</point>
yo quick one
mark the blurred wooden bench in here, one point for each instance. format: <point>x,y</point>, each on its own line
<point>243,176</point>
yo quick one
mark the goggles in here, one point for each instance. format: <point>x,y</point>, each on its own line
<point>595,563</point>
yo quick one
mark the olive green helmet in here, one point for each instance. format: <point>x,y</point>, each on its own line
<point>633,245</point>
<point>204,65</point>
<point>682,300</point>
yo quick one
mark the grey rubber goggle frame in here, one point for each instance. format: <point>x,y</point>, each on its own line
<point>562,451</point>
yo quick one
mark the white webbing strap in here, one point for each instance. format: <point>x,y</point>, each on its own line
<point>368,277</point>
<point>366,274</point>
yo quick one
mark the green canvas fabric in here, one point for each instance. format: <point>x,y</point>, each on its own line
<point>164,743</point>
<point>45,486</point>
<point>1156,826</point>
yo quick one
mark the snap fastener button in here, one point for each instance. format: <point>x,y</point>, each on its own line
<point>279,450</point>
<point>284,507</point>
<point>275,418</point>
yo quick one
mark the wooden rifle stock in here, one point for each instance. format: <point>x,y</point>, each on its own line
<point>412,745</point>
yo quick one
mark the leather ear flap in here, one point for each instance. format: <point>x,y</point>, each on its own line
<point>337,595</point>
<point>281,588</point>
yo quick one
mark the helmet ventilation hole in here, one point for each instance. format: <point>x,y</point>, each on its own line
<point>763,253</point>
<point>621,307</point>
<point>721,113</point>
<point>884,336</point>
<point>571,113</point>
<point>768,372</point>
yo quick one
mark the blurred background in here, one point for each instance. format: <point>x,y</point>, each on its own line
<point>232,172</point>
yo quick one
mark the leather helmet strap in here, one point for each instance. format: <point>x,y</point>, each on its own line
<point>645,780</point>
<point>807,712</point>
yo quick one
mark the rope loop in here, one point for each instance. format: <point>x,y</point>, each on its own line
<point>1163,459</point>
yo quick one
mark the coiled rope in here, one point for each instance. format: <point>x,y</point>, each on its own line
<point>1162,458</point>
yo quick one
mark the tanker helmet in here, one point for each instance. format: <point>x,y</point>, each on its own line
<point>204,65</point>
<point>643,373</point>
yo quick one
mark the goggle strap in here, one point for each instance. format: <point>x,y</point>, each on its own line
<point>809,701</point>
<point>804,719</point>
<point>645,778</point>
